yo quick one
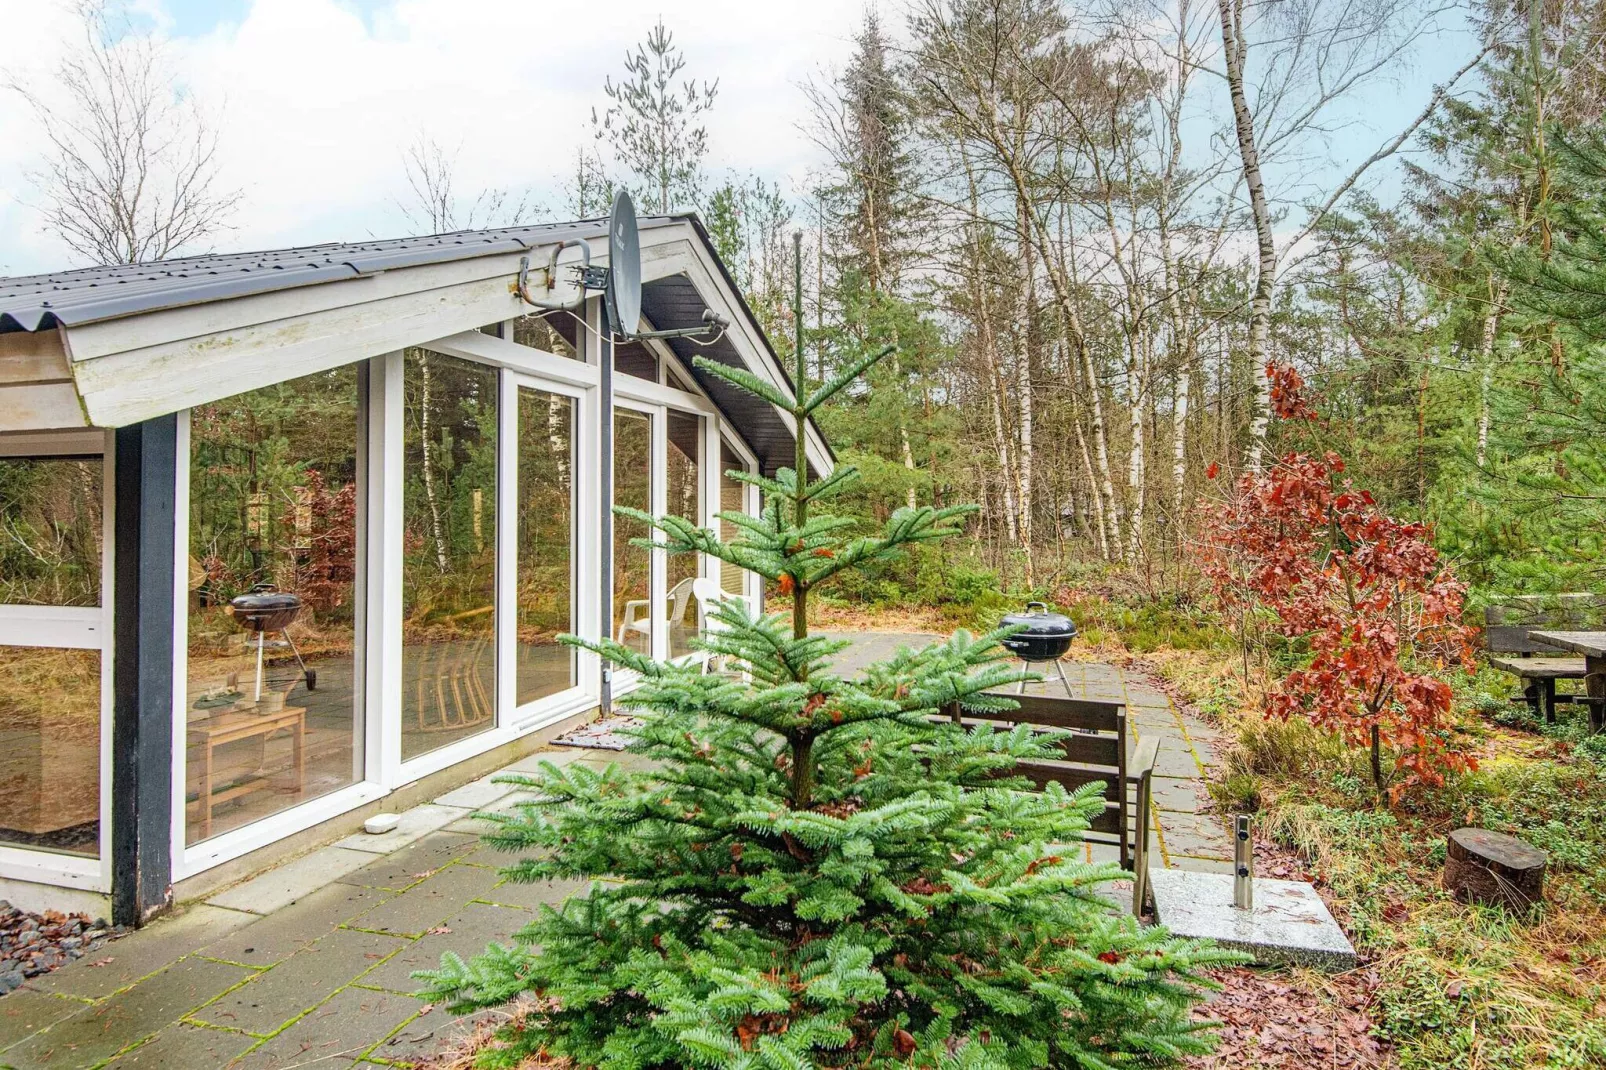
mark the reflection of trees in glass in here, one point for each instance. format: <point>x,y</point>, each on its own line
<point>732,499</point>
<point>550,331</point>
<point>682,486</point>
<point>545,539</point>
<point>449,436</point>
<point>632,486</point>
<point>449,496</point>
<point>273,499</point>
<point>273,492</point>
<point>50,531</point>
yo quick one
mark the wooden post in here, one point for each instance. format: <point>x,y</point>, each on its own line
<point>1489,867</point>
<point>145,489</point>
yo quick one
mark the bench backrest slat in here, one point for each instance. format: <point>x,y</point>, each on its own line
<point>1084,714</point>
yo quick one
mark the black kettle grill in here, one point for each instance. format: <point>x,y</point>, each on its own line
<point>267,609</point>
<point>1044,636</point>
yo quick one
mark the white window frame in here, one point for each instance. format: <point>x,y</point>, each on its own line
<point>752,583</point>
<point>76,628</point>
<point>190,859</point>
<point>517,365</point>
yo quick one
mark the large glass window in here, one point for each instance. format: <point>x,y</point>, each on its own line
<point>632,565</point>
<point>50,555</point>
<point>554,332</point>
<point>50,551</point>
<point>272,699</point>
<point>545,593</point>
<point>683,484</point>
<point>732,499</point>
<point>449,550</point>
<point>637,359</point>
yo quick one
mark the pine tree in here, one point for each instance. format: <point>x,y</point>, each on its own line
<point>820,871</point>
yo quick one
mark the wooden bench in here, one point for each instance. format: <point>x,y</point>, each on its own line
<point>1507,628</point>
<point>1096,751</point>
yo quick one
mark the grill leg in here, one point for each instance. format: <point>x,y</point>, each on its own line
<point>1020,685</point>
<point>306,673</point>
<point>1060,665</point>
<point>261,638</point>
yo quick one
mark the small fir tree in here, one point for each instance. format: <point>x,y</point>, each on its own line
<point>819,871</point>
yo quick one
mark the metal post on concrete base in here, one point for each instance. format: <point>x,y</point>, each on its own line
<point>1243,865</point>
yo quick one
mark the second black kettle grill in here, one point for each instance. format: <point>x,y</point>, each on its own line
<point>1044,636</point>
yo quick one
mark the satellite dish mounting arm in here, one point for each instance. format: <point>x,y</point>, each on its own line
<point>523,284</point>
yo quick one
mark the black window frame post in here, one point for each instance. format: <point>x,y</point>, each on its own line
<point>145,479</point>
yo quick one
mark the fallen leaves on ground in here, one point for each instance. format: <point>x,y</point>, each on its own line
<point>1283,1021</point>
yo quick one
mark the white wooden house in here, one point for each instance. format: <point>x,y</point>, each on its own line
<point>385,431</point>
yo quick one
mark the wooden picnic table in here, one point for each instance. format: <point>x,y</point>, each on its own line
<point>1592,645</point>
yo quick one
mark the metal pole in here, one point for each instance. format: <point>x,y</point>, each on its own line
<point>1243,865</point>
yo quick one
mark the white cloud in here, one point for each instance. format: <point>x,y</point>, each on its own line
<point>319,98</point>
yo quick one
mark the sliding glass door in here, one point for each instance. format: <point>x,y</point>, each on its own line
<point>633,566</point>
<point>545,560</point>
<point>449,457</point>
<point>273,711</point>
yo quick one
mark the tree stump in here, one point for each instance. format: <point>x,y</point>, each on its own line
<point>1488,867</point>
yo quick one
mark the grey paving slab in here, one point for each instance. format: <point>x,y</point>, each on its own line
<point>474,824</point>
<point>1289,922</point>
<point>122,962</point>
<point>283,993</point>
<point>530,895</point>
<point>415,824</point>
<point>1198,835</point>
<point>1180,795</point>
<point>24,1013</point>
<point>283,885</point>
<point>1176,760</point>
<point>182,1047</point>
<point>1139,698</point>
<point>476,794</point>
<point>431,1032</point>
<point>413,863</point>
<point>278,936</point>
<point>429,902</point>
<point>335,1032</point>
<point>467,931</point>
<point>103,1029</point>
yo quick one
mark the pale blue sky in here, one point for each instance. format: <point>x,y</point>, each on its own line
<point>318,98</point>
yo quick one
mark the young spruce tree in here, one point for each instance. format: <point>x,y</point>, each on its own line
<point>820,871</point>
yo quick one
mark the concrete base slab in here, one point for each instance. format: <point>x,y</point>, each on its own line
<point>1289,924</point>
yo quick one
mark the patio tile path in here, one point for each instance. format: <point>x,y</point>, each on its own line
<point>310,964</point>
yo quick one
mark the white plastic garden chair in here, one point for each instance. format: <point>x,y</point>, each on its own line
<point>638,613</point>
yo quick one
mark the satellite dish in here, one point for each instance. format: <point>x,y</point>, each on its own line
<point>624,267</point>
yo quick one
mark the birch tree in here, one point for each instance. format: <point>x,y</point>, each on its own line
<point>131,172</point>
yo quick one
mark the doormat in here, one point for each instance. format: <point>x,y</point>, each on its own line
<point>602,734</point>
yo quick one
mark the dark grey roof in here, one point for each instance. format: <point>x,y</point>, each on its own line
<point>88,295</point>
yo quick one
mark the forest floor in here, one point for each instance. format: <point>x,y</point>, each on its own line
<point>1441,983</point>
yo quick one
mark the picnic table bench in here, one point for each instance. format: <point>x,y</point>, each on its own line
<point>1096,750</point>
<point>1521,631</point>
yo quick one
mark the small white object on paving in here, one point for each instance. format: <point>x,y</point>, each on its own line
<point>283,885</point>
<point>1289,923</point>
<point>380,824</point>
<point>412,825</point>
